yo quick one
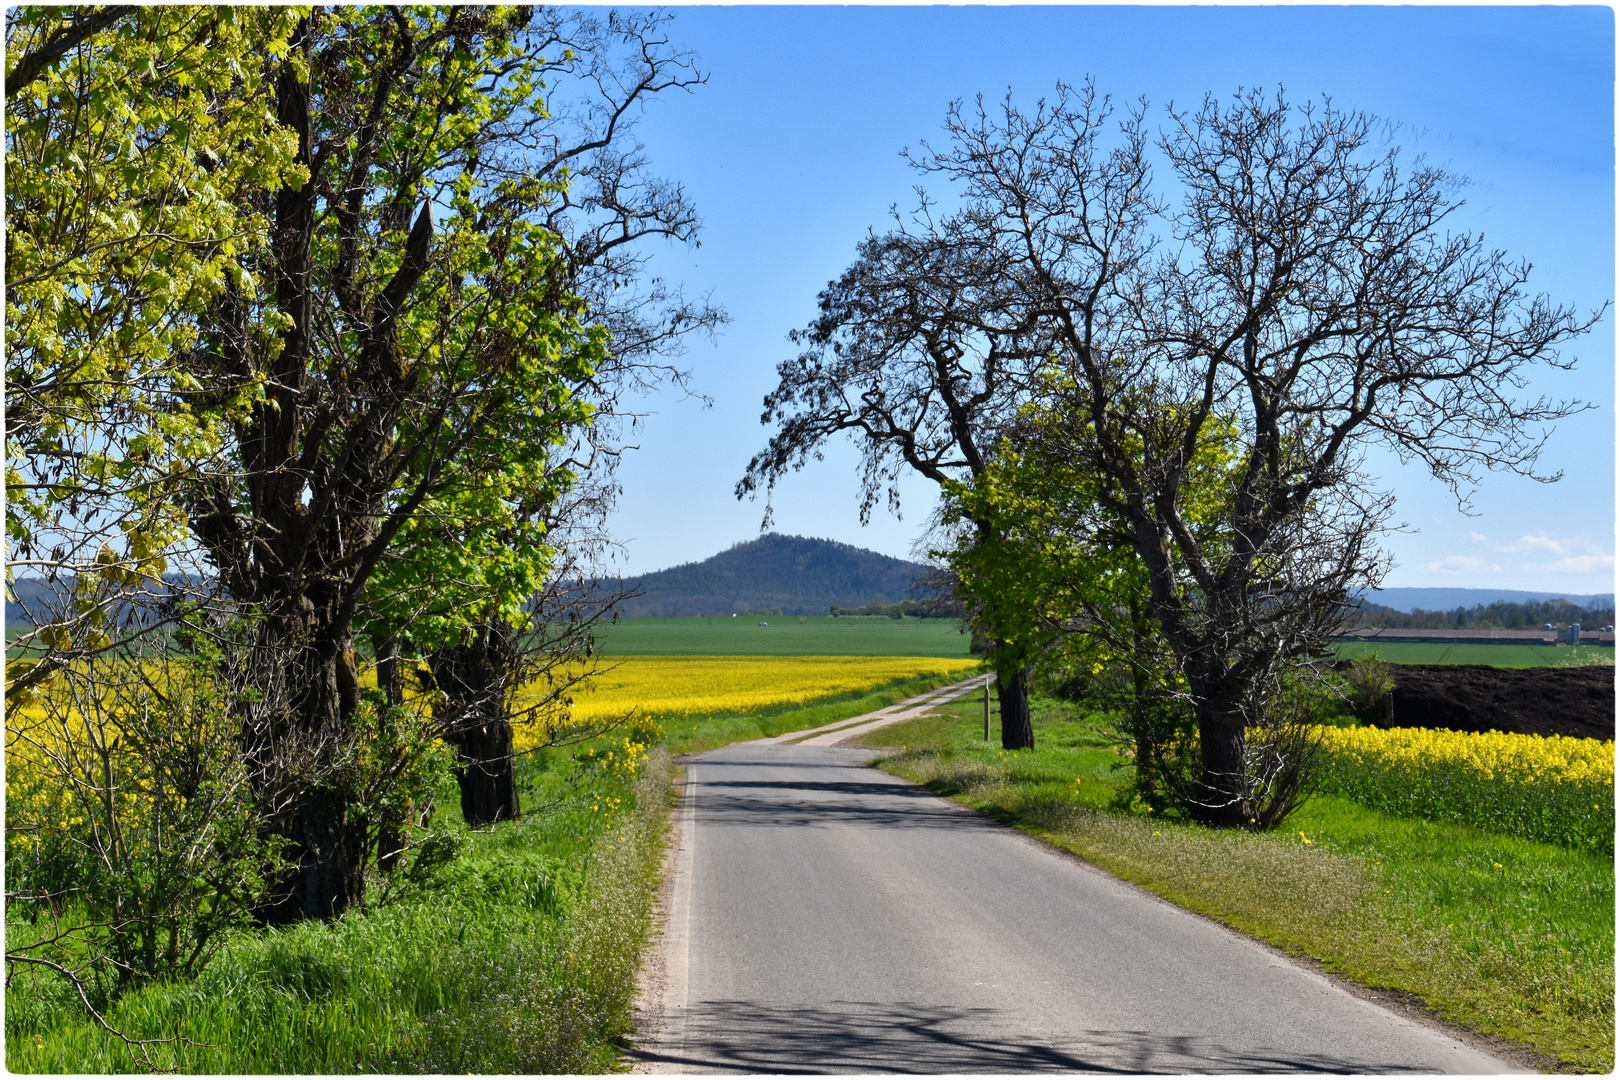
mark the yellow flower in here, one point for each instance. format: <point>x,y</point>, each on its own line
<point>674,687</point>
<point>1523,785</point>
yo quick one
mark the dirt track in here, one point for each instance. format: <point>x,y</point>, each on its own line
<point>1525,701</point>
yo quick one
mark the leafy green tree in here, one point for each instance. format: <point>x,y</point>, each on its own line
<point>493,584</point>
<point>137,141</point>
<point>454,597</point>
<point>1044,592</point>
<point>418,311</point>
<point>1063,579</point>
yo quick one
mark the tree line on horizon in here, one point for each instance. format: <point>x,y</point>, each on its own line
<point>1500,615</point>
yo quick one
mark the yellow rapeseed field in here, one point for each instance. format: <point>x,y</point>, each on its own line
<point>1511,759</point>
<point>676,687</point>
<point>1553,788</point>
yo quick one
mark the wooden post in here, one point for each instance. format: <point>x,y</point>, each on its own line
<point>987,709</point>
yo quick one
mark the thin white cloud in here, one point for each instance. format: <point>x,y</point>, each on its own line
<point>1582,564</point>
<point>1462,564</point>
<point>1537,542</point>
<point>1477,538</point>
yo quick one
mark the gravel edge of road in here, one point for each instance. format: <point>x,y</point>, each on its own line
<point>1400,1002</point>
<point>652,982</point>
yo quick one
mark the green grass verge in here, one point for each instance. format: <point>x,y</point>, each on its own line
<point>709,733</point>
<point>1514,656</point>
<point>785,635</point>
<point>1507,937</point>
<point>520,955</point>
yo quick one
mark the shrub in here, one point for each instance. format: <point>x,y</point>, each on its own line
<point>1372,688</point>
<point>132,839</point>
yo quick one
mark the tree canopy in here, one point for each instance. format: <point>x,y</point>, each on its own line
<point>139,144</point>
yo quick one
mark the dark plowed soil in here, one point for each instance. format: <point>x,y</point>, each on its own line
<point>1523,701</point>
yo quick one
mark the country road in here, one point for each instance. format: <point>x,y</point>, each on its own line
<point>827,917</point>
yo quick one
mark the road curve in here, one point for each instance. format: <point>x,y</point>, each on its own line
<point>827,917</point>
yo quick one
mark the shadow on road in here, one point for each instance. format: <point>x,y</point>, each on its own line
<point>844,1037</point>
<point>748,802</point>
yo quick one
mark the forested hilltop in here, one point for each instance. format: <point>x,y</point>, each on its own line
<point>788,575</point>
<point>1502,615</point>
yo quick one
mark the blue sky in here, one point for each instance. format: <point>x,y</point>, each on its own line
<point>791,153</point>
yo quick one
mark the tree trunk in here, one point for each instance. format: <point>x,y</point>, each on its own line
<point>391,830</point>
<point>486,777</point>
<point>473,677</point>
<point>1012,689</point>
<point>1221,803</point>
<point>328,840</point>
<point>331,856</point>
<point>1141,722</point>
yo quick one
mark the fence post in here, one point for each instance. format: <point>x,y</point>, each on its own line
<point>987,708</point>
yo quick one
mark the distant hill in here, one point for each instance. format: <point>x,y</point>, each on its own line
<point>791,575</point>
<point>31,598</point>
<point>797,575</point>
<point>1452,599</point>
<point>29,595</point>
<point>794,575</point>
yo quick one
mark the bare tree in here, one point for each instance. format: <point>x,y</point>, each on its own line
<point>1311,303</point>
<point>614,206</point>
<point>929,344</point>
<point>1306,302</point>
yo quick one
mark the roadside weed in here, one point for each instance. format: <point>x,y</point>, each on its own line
<point>517,956</point>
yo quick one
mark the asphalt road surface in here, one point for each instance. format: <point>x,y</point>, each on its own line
<point>828,917</point>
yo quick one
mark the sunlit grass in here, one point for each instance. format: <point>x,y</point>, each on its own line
<point>519,956</point>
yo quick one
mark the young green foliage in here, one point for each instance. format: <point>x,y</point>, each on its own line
<point>137,141</point>
<point>422,369</point>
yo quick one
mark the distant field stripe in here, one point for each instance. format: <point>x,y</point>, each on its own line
<point>687,687</point>
<point>784,635</point>
<point>1516,656</point>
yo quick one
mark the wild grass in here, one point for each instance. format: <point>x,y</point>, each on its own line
<point>519,955</point>
<point>1509,937</point>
